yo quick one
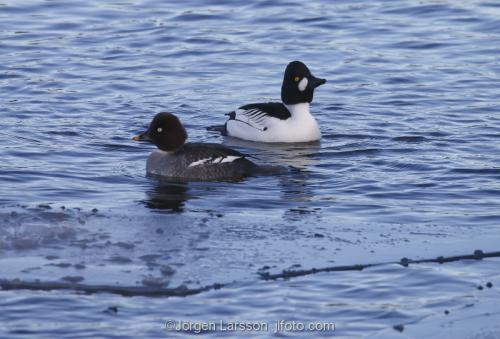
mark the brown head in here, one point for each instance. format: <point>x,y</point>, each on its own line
<point>165,131</point>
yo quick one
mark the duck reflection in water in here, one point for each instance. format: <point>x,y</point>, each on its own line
<point>167,196</point>
<point>296,187</point>
<point>301,156</point>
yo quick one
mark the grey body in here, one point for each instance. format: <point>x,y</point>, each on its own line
<point>199,161</point>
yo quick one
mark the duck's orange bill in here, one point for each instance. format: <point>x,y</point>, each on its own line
<point>136,138</point>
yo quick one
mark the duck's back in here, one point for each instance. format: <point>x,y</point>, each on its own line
<point>199,161</point>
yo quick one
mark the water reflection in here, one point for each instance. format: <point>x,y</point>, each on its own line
<point>296,188</point>
<point>302,156</point>
<point>168,196</point>
<point>298,192</point>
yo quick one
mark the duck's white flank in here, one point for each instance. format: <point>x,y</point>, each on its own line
<point>300,127</point>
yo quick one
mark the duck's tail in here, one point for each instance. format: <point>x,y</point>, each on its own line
<point>218,128</point>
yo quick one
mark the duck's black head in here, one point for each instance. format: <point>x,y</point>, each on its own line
<point>165,131</point>
<point>298,84</point>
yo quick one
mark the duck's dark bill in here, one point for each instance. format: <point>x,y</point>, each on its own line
<point>141,137</point>
<point>315,82</point>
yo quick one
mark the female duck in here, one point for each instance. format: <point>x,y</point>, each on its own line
<point>191,161</point>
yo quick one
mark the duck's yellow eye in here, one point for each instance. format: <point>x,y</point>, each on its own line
<point>159,129</point>
<point>296,79</point>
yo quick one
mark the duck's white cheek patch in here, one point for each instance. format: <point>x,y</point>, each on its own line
<point>303,84</point>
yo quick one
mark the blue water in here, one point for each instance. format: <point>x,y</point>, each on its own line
<point>408,165</point>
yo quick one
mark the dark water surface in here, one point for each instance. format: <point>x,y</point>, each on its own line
<point>408,166</point>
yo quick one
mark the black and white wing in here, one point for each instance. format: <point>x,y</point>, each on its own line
<point>258,115</point>
<point>197,154</point>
